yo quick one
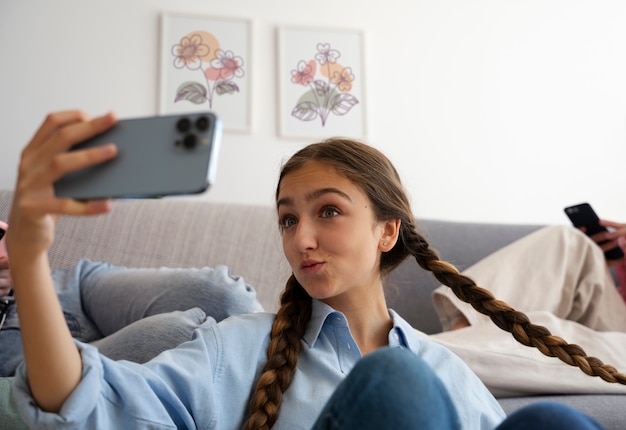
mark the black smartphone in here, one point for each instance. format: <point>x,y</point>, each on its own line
<point>157,156</point>
<point>583,215</point>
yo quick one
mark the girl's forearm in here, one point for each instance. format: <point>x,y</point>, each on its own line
<point>53,362</point>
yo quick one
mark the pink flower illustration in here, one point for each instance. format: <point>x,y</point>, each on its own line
<point>229,63</point>
<point>304,74</point>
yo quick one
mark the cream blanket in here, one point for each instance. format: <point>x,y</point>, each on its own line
<point>559,278</point>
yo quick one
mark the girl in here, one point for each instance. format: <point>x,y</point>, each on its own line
<point>345,222</point>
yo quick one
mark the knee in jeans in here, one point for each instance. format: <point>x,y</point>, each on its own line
<point>396,366</point>
<point>547,415</point>
<point>390,357</point>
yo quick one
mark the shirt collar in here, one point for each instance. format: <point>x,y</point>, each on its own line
<point>322,314</point>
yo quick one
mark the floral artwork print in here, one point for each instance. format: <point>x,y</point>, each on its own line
<point>219,69</point>
<point>326,94</point>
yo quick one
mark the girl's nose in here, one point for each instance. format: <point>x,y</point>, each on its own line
<point>304,238</point>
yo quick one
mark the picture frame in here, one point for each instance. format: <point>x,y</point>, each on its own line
<point>321,83</point>
<point>205,65</point>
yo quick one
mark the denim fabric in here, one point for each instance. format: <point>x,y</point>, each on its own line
<point>67,284</point>
<point>390,389</point>
<point>548,416</point>
<point>11,354</point>
<point>99,299</point>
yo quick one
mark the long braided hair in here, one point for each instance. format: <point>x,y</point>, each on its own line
<point>374,173</point>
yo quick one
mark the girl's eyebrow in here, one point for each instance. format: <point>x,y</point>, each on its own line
<point>314,195</point>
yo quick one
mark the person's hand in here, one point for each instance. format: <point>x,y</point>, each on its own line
<point>44,160</point>
<point>5,277</point>
<point>614,237</point>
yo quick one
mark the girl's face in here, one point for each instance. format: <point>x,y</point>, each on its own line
<point>330,235</point>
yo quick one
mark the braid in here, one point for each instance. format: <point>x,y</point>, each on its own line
<point>504,316</point>
<point>282,355</point>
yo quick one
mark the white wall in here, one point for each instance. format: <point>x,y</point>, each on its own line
<point>492,110</point>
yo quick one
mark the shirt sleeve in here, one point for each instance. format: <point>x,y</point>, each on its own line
<point>161,394</point>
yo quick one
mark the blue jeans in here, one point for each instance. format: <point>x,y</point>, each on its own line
<point>379,393</point>
<point>99,299</point>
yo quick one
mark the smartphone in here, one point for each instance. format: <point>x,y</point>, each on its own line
<point>583,215</point>
<point>157,156</point>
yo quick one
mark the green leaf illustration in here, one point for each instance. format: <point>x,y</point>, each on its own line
<point>191,91</point>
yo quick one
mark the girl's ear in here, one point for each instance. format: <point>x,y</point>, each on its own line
<point>391,230</point>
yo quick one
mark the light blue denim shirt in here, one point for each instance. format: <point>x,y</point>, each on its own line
<point>206,383</point>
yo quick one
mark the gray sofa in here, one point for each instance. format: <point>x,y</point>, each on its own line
<point>179,232</point>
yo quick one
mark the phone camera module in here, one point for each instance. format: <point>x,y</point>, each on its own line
<point>190,141</point>
<point>183,125</point>
<point>202,123</point>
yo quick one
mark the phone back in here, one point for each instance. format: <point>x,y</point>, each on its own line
<point>157,156</point>
<point>583,215</point>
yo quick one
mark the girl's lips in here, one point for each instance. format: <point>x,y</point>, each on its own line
<point>311,266</point>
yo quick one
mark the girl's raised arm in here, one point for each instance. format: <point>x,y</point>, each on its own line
<point>53,362</point>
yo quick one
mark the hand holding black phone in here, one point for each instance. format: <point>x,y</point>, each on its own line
<point>583,215</point>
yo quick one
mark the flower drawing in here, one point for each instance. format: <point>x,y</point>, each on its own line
<point>200,50</point>
<point>327,94</point>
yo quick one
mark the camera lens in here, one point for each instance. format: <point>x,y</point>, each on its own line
<point>189,141</point>
<point>183,125</point>
<point>202,123</point>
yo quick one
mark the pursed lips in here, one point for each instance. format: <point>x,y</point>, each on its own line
<point>311,265</point>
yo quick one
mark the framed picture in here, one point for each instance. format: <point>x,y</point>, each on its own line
<point>205,65</point>
<point>321,85</point>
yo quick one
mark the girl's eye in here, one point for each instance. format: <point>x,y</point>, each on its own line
<point>287,221</point>
<point>329,212</point>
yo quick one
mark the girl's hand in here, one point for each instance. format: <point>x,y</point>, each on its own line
<point>44,160</point>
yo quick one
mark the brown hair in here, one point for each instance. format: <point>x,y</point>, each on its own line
<point>373,172</point>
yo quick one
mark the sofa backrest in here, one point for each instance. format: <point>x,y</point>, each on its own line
<point>194,232</point>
